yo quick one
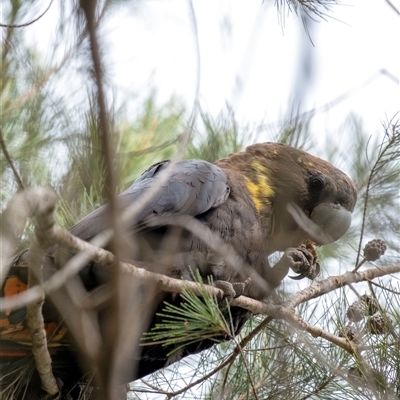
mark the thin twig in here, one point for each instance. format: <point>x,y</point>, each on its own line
<point>393,7</point>
<point>336,101</point>
<point>30,22</point>
<point>195,106</point>
<point>223,386</point>
<point>170,395</point>
<point>323,384</point>
<point>227,362</point>
<point>10,162</point>
<point>367,194</point>
<point>253,387</point>
<point>384,288</point>
<point>354,290</point>
<point>257,386</point>
<point>359,264</point>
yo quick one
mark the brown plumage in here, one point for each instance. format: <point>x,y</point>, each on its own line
<point>268,198</point>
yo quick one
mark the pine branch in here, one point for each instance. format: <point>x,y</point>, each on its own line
<point>197,317</point>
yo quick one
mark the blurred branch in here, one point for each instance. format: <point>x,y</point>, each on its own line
<point>89,8</point>
<point>393,7</point>
<point>198,64</point>
<point>337,100</point>
<point>10,162</point>
<point>108,355</point>
<point>148,150</point>
<point>28,23</point>
<point>39,203</point>
<point>44,222</point>
<point>13,220</point>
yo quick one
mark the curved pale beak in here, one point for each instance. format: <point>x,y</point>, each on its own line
<point>327,223</point>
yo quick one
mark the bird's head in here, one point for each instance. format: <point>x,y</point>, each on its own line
<point>309,198</point>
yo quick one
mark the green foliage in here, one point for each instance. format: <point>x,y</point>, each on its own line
<point>218,138</point>
<point>151,137</point>
<point>25,121</point>
<point>196,319</point>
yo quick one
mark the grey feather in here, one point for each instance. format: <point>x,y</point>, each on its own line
<point>193,187</point>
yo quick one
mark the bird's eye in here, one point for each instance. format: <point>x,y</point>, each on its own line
<point>317,183</point>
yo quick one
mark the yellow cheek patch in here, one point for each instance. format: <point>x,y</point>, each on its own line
<point>260,189</point>
<point>254,192</point>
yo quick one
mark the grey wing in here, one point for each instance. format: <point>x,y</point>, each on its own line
<point>192,188</point>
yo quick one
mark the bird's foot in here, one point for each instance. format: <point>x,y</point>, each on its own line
<point>303,261</point>
<point>231,290</point>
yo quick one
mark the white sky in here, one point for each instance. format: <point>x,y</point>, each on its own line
<point>250,61</point>
<point>250,58</point>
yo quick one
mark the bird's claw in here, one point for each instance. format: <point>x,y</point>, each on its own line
<point>312,273</point>
<point>231,290</point>
<point>303,262</point>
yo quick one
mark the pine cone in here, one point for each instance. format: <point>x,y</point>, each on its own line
<point>348,332</point>
<point>372,304</point>
<point>378,325</point>
<point>357,311</point>
<point>374,249</point>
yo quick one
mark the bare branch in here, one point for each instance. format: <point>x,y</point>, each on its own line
<point>335,282</point>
